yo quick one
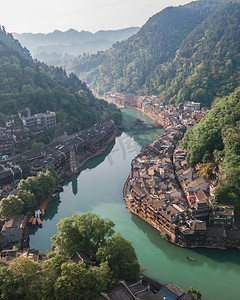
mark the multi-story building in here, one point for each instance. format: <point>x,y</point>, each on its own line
<point>47,119</point>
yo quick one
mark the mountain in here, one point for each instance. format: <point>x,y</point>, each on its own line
<point>218,136</point>
<point>9,40</point>
<point>190,52</point>
<point>207,63</point>
<point>72,42</point>
<point>26,83</point>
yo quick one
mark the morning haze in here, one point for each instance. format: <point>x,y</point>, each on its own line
<point>92,15</point>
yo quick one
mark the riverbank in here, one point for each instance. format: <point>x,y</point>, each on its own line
<point>92,155</point>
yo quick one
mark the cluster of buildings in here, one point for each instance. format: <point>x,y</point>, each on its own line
<point>146,289</point>
<point>65,155</point>
<point>68,153</point>
<point>13,231</point>
<point>173,198</point>
<point>18,127</point>
<point>154,107</point>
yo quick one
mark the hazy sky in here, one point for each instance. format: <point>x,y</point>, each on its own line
<point>92,15</point>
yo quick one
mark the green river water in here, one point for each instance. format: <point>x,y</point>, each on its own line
<point>98,188</point>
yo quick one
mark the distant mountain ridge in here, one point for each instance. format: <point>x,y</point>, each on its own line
<point>72,42</point>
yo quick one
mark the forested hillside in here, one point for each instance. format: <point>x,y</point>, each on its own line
<point>126,65</point>
<point>216,140</point>
<point>189,52</point>
<point>207,63</point>
<point>26,83</point>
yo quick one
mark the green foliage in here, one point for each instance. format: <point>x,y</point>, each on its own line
<point>20,280</point>
<point>39,186</point>
<point>8,285</point>
<point>25,274</point>
<point>79,282</point>
<point>11,206</point>
<point>37,146</point>
<point>201,69</point>
<point>28,199</point>
<point>219,134</point>
<point>92,235</point>
<point>206,170</point>
<point>195,294</point>
<point>85,233</point>
<point>121,257</point>
<point>36,188</point>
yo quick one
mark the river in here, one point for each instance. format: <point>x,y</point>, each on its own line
<point>98,188</point>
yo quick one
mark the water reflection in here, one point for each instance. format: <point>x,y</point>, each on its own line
<point>75,186</point>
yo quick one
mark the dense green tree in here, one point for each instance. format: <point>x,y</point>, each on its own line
<point>121,257</point>
<point>195,294</point>
<point>28,199</point>
<point>8,285</point>
<point>85,233</point>
<point>10,206</point>
<point>51,270</point>
<point>75,282</point>
<point>23,280</point>
<point>59,277</point>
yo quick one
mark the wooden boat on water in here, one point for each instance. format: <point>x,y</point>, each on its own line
<point>34,221</point>
<point>39,222</point>
<point>190,258</point>
<point>30,220</point>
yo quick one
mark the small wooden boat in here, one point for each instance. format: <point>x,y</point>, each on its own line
<point>190,258</point>
<point>39,222</point>
<point>34,220</point>
<point>30,220</point>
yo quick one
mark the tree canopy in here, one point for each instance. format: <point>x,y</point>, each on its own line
<point>95,236</point>
<point>59,277</point>
<point>11,206</point>
<point>85,232</point>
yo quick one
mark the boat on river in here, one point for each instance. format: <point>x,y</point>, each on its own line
<point>190,258</point>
